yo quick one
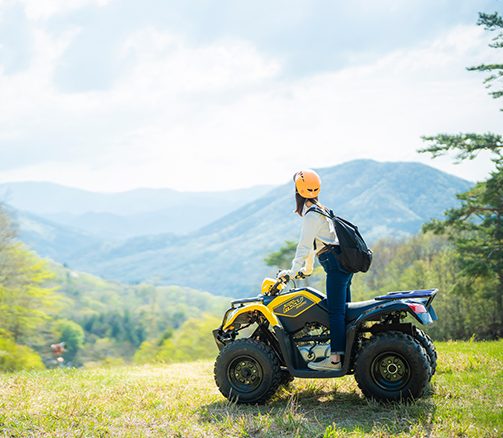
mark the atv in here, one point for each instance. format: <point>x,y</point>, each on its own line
<point>283,330</point>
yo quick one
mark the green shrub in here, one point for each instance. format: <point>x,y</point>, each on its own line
<point>71,334</point>
<point>192,341</point>
<point>147,352</point>
<point>14,357</point>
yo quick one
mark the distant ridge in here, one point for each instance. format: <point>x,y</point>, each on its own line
<point>226,256</point>
<point>125,214</point>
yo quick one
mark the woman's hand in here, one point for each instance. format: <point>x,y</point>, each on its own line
<point>305,271</point>
<point>286,274</point>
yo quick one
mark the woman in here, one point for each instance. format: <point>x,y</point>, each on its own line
<point>318,237</point>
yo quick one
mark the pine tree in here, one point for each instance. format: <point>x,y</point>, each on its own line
<point>476,227</point>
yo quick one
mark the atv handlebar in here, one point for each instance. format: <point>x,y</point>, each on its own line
<point>274,288</point>
<point>284,280</point>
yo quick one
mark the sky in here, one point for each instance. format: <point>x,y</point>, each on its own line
<point>196,95</point>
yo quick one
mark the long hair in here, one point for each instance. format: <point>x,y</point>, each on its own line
<point>300,202</point>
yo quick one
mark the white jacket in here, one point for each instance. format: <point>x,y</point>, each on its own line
<point>316,230</point>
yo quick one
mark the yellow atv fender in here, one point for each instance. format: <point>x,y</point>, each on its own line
<point>289,305</point>
<point>245,310</point>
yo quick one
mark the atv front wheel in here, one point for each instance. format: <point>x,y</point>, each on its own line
<point>247,371</point>
<point>427,343</point>
<point>392,366</point>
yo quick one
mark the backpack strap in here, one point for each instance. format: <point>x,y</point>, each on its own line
<point>319,210</point>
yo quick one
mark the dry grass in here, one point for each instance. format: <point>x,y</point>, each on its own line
<point>182,400</point>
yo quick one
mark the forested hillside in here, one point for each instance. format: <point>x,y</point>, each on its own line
<point>117,318</point>
<point>43,303</point>
<point>226,257</point>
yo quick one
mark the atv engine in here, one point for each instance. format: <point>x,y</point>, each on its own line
<point>307,341</point>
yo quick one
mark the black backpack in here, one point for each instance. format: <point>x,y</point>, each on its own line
<point>355,256</point>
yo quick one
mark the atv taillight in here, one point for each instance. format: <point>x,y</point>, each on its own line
<point>417,308</point>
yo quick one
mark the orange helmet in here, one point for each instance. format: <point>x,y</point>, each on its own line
<point>307,183</point>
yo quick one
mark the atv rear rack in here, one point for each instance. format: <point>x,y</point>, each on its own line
<point>407,294</point>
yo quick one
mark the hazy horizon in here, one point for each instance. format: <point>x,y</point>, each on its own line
<point>210,191</point>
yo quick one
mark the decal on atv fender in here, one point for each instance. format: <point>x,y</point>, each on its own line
<point>294,307</point>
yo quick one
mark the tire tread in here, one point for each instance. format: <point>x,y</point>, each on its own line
<point>396,337</point>
<point>427,343</point>
<point>271,356</point>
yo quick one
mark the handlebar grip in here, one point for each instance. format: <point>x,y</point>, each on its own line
<point>274,288</point>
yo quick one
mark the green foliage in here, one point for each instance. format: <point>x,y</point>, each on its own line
<point>476,227</point>
<point>464,305</point>
<point>27,304</point>
<point>431,261</point>
<point>118,319</point>
<point>7,236</point>
<point>14,357</point>
<point>466,146</point>
<point>123,326</point>
<point>71,334</point>
<point>476,232</point>
<point>101,318</point>
<point>493,23</point>
<point>147,353</point>
<point>96,350</point>
<point>283,257</point>
<point>25,301</point>
<point>192,341</point>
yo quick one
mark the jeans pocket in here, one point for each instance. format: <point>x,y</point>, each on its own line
<point>328,261</point>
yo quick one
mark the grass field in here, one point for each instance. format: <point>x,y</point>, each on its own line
<point>182,400</point>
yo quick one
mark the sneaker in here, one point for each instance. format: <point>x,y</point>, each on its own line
<point>325,365</point>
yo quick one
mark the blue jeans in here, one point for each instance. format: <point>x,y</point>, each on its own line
<point>338,294</point>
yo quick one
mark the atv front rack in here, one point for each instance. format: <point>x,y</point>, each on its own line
<point>257,299</point>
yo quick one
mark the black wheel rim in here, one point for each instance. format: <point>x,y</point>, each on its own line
<point>390,371</point>
<point>245,374</point>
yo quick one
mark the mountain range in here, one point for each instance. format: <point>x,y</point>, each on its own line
<point>125,214</point>
<point>226,256</point>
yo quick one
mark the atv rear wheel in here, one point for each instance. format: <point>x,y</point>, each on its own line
<point>392,366</point>
<point>247,371</point>
<point>427,343</point>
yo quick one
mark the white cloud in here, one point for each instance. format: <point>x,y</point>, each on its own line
<point>44,9</point>
<point>166,64</point>
<point>220,115</point>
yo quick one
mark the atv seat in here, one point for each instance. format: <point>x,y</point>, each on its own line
<point>353,310</point>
